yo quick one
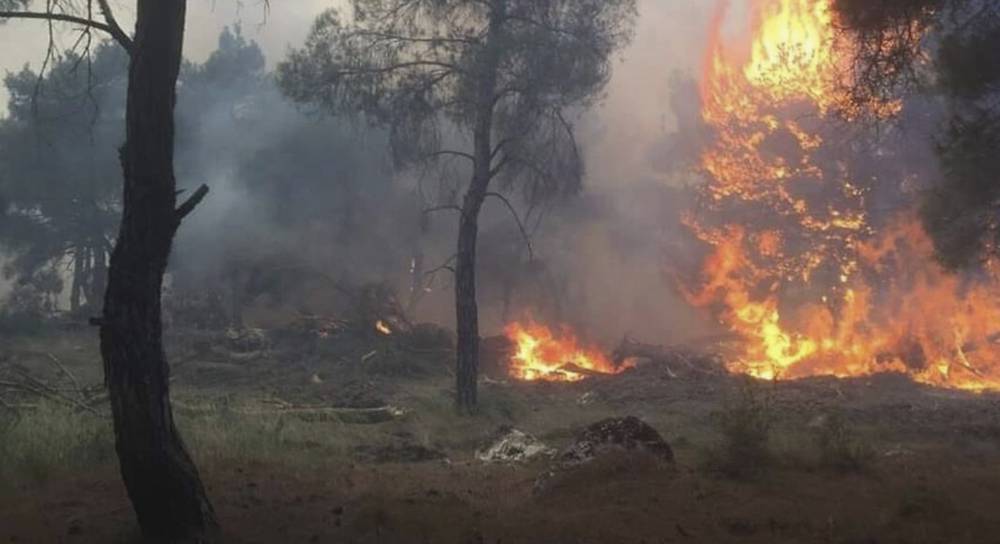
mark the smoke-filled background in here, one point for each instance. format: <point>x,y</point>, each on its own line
<point>303,204</point>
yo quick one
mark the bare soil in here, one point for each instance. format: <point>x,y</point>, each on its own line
<point>930,473</point>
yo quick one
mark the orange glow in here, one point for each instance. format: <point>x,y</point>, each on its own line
<point>382,327</point>
<point>805,279</point>
<point>541,354</point>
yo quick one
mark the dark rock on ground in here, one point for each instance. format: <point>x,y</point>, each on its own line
<point>611,448</point>
<point>624,433</point>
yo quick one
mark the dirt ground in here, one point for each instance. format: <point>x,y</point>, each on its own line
<point>924,463</point>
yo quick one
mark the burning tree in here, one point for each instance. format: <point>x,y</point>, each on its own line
<point>499,78</point>
<point>802,262</point>
<point>947,48</point>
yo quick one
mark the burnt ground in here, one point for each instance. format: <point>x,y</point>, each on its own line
<point>845,461</point>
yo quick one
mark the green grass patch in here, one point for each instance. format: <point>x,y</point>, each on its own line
<point>51,440</point>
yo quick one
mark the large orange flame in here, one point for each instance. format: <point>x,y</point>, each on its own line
<point>797,269</point>
<point>541,354</point>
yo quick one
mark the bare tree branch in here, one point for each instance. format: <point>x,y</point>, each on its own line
<point>451,207</point>
<point>189,205</point>
<point>114,31</point>
<point>452,153</point>
<point>520,224</point>
<point>444,266</point>
<point>113,27</point>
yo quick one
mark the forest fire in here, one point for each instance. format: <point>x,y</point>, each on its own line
<point>799,266</point>
<point>543,355</point>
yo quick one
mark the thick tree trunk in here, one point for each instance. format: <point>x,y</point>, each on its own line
<point>466,307</point>
<point>162,481</point>
<point>77,288</point>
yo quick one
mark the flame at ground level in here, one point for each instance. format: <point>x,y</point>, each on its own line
<point>900,313</point>
<point>543,355</point>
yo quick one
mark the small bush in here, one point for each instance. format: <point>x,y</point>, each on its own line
<point>839,446</point>
<point>24,310</point>
<point>745,422</point>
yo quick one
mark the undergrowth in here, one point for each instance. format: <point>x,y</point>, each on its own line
<point>49,440</point>
<point>840,446</point>
<point>745,422</point>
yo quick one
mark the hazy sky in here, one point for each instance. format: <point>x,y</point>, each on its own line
<point>669,37</point>
<point>285,24</point>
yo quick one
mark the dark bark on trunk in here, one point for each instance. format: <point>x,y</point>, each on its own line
<point>162,481</point>
<point>77,288</point>
<point>466,307</point>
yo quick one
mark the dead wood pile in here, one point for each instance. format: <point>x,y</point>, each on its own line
<point>613,440</point>
<point>22,388</point>
<point>616,434</point>
<point>304,412</point>
<point>674,361</point>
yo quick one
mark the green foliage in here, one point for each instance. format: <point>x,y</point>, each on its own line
<point>59,172</point>
<point>235,64</point>
<point>968,61</point>
<point>11,5</point>
<point>60,177</point>
<point>959,212</point>
<point>40,443</point>
<point>276,172</point>
<point>424,69</point>
<point>225,84</point>
<point>893,40</point>
<point>232,437</point>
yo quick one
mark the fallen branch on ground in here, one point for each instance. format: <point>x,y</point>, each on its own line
<point>19,386</point>
<point>378,414</point>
